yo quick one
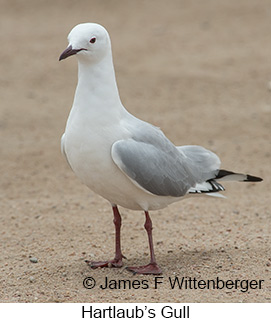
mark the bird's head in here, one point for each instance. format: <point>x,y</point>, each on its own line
<point>89,41</point>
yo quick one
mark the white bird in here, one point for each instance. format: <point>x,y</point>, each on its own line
<point>127,161</point>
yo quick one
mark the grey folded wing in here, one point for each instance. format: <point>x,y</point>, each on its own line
<point>160,171</point>
<point>203,163</point>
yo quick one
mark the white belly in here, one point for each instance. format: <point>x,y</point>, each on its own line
<point>88,151</point>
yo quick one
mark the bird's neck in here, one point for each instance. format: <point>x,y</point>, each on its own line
<point>97,86</point>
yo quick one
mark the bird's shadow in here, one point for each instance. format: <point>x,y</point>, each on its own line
<point>180,262</point>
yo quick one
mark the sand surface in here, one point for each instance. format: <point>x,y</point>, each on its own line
<point>201,72</point>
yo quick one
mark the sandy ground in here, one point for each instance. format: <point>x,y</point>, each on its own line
<point>201,72</point>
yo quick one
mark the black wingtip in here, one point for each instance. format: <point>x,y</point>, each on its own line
<point>249,178</point>
<point>253,179</point>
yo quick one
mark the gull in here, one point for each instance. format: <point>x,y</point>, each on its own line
<point>127,161</point>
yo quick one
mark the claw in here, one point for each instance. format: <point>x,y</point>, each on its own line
<point>150,269</point>
<point>108,263</point>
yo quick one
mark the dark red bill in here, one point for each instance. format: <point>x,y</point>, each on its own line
<point>69,51</point>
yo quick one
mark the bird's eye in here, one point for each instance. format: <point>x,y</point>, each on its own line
<point>93,40</point>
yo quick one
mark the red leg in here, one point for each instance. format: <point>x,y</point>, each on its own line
<point>152,267</point>
<point>117,261</point>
